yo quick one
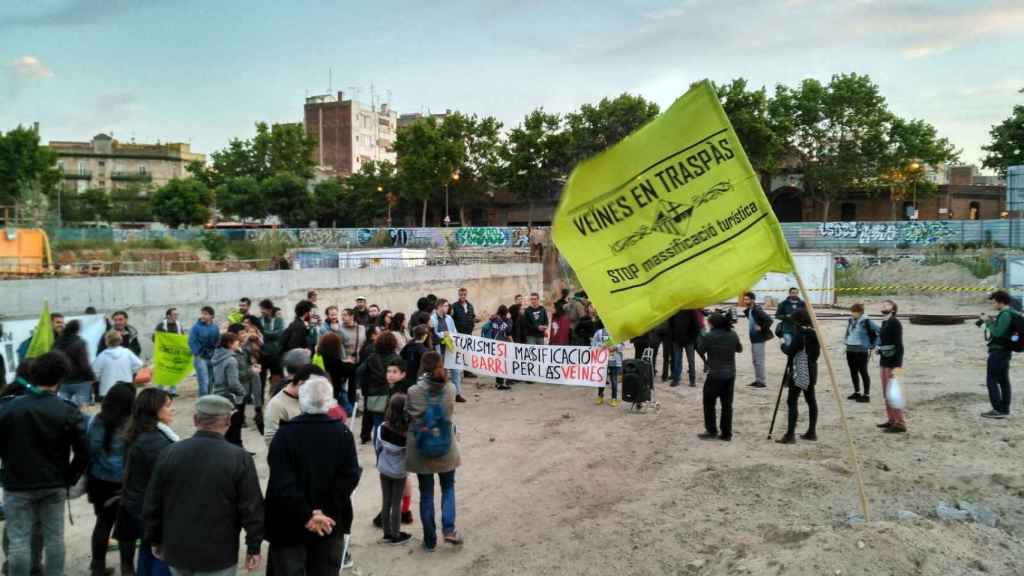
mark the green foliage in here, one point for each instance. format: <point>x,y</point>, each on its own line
<point>183,202</point>
<point>592,129</point>
<point>426,161</point>
<point>239,196</point>
<point>981,265</point>
<point>1007,146</point>
<point>216,244</point>
<point>267,246</point>
<point>273,150</point>
<point>133,203</point>
<point>360,199</point>
<point>93,205</point>
<point>28,171</point>
<point>759,133</point>
<point>287,197</point>
<point>536,156</point>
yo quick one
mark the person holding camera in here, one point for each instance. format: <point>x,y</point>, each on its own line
<point>890,351</point>
<point>720,346</point>
<point>804,349</point>
<point>997,334</point>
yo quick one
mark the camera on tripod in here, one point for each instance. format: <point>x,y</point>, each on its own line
<point>728,313</point>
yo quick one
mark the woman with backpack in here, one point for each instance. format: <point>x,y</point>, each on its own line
<point>432,447</point>
<point>803,350</point>
<point>861,336</point>
<point>105,474</point>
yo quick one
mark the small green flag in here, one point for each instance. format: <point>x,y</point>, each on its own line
<point>172,359</point>
<point>42,337</point>
<point>672,217</point>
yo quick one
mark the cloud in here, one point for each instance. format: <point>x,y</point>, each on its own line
<point>22,71</point>
<point>938,32</point>
<point>29,68</point>
<point>74,13</point>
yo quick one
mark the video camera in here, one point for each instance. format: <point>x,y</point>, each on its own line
<point>728,313</point>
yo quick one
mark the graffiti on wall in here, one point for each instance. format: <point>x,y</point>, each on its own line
<point>492,237</point>
<point>914,233</point>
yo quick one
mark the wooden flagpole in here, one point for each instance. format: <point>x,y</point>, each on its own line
<point>854,458</point>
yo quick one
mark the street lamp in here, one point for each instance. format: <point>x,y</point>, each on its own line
<point>447,217</point>
<point>914,168</point>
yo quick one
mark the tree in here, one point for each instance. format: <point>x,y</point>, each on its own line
<point>426,160</point>
<point>476,141</point>
<point>595,128</point>
<point>240,196</point>
<point>912,145</point>
<point>92,205</point>
<point>748,110</point>
<point>183,202</point>
<point>28,171</point>
<point>133,203</point>
<point>840,128</point>
<point>287,197</point>
<point>536,155</point>
<point>274,149</point>
<point>1007,146</point>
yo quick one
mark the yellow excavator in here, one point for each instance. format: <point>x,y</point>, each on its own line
<point>25,252</point>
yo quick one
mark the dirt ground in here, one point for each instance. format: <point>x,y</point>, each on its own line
<point>553,484</point>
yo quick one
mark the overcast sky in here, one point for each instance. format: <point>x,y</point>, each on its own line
<point>202,71</point>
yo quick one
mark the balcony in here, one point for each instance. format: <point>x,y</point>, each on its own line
<point>78,175</point>
<point>131,176</point>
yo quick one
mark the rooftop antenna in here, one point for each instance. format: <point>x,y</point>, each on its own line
<point>356,91</point>
<point>330,80</point>
<point>373,98</point>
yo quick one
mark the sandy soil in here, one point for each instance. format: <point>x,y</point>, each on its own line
<point>553,484</point>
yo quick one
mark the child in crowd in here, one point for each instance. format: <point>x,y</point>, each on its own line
<point>602,339</point>
<point>390,446</point>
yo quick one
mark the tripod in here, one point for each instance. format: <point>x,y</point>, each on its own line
<point>778,401</point>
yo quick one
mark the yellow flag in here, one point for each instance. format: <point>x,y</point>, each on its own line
<point>672,217</point>
<point>172,359</point>
<point>42,337</point>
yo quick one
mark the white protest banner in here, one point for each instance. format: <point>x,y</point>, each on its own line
<point>15,332</point>
<point>567,365</point>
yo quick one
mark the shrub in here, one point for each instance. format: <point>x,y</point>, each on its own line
<point>216,244</point>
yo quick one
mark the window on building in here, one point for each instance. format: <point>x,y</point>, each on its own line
<point>142,170</point>
<point>83,167</point>
<point>974,212</point>
<point>60,165</point>
<point>82,186</point>
<point>848,212</point>
<point>908,210</point>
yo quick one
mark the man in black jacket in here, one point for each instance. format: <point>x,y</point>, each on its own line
<point>129,335</point>
<point>720,344</point>
<point>313,471</point>
<point>535,321</point>
<point>202,493</point>
<point>759,325</point>
<point>463,313</point>
<point>784,314</point>
<point>77,385</point>
<point>39,433</point>
<point>296,335</point>
<point>684,328</point>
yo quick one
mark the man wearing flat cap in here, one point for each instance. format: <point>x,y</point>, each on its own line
<point>203,491</point>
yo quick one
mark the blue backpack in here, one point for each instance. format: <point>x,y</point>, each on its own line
<point>434,439</point>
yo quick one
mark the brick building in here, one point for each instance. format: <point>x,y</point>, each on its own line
<point>107,163</point>
<point>348,133</point>
<point>963,195</point>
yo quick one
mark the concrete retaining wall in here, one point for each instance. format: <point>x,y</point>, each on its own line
<point>146,298</point>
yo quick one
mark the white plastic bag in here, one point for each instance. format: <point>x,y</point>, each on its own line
<point>896,398</point>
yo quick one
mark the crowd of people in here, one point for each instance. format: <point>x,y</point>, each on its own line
<point>307,380</point>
